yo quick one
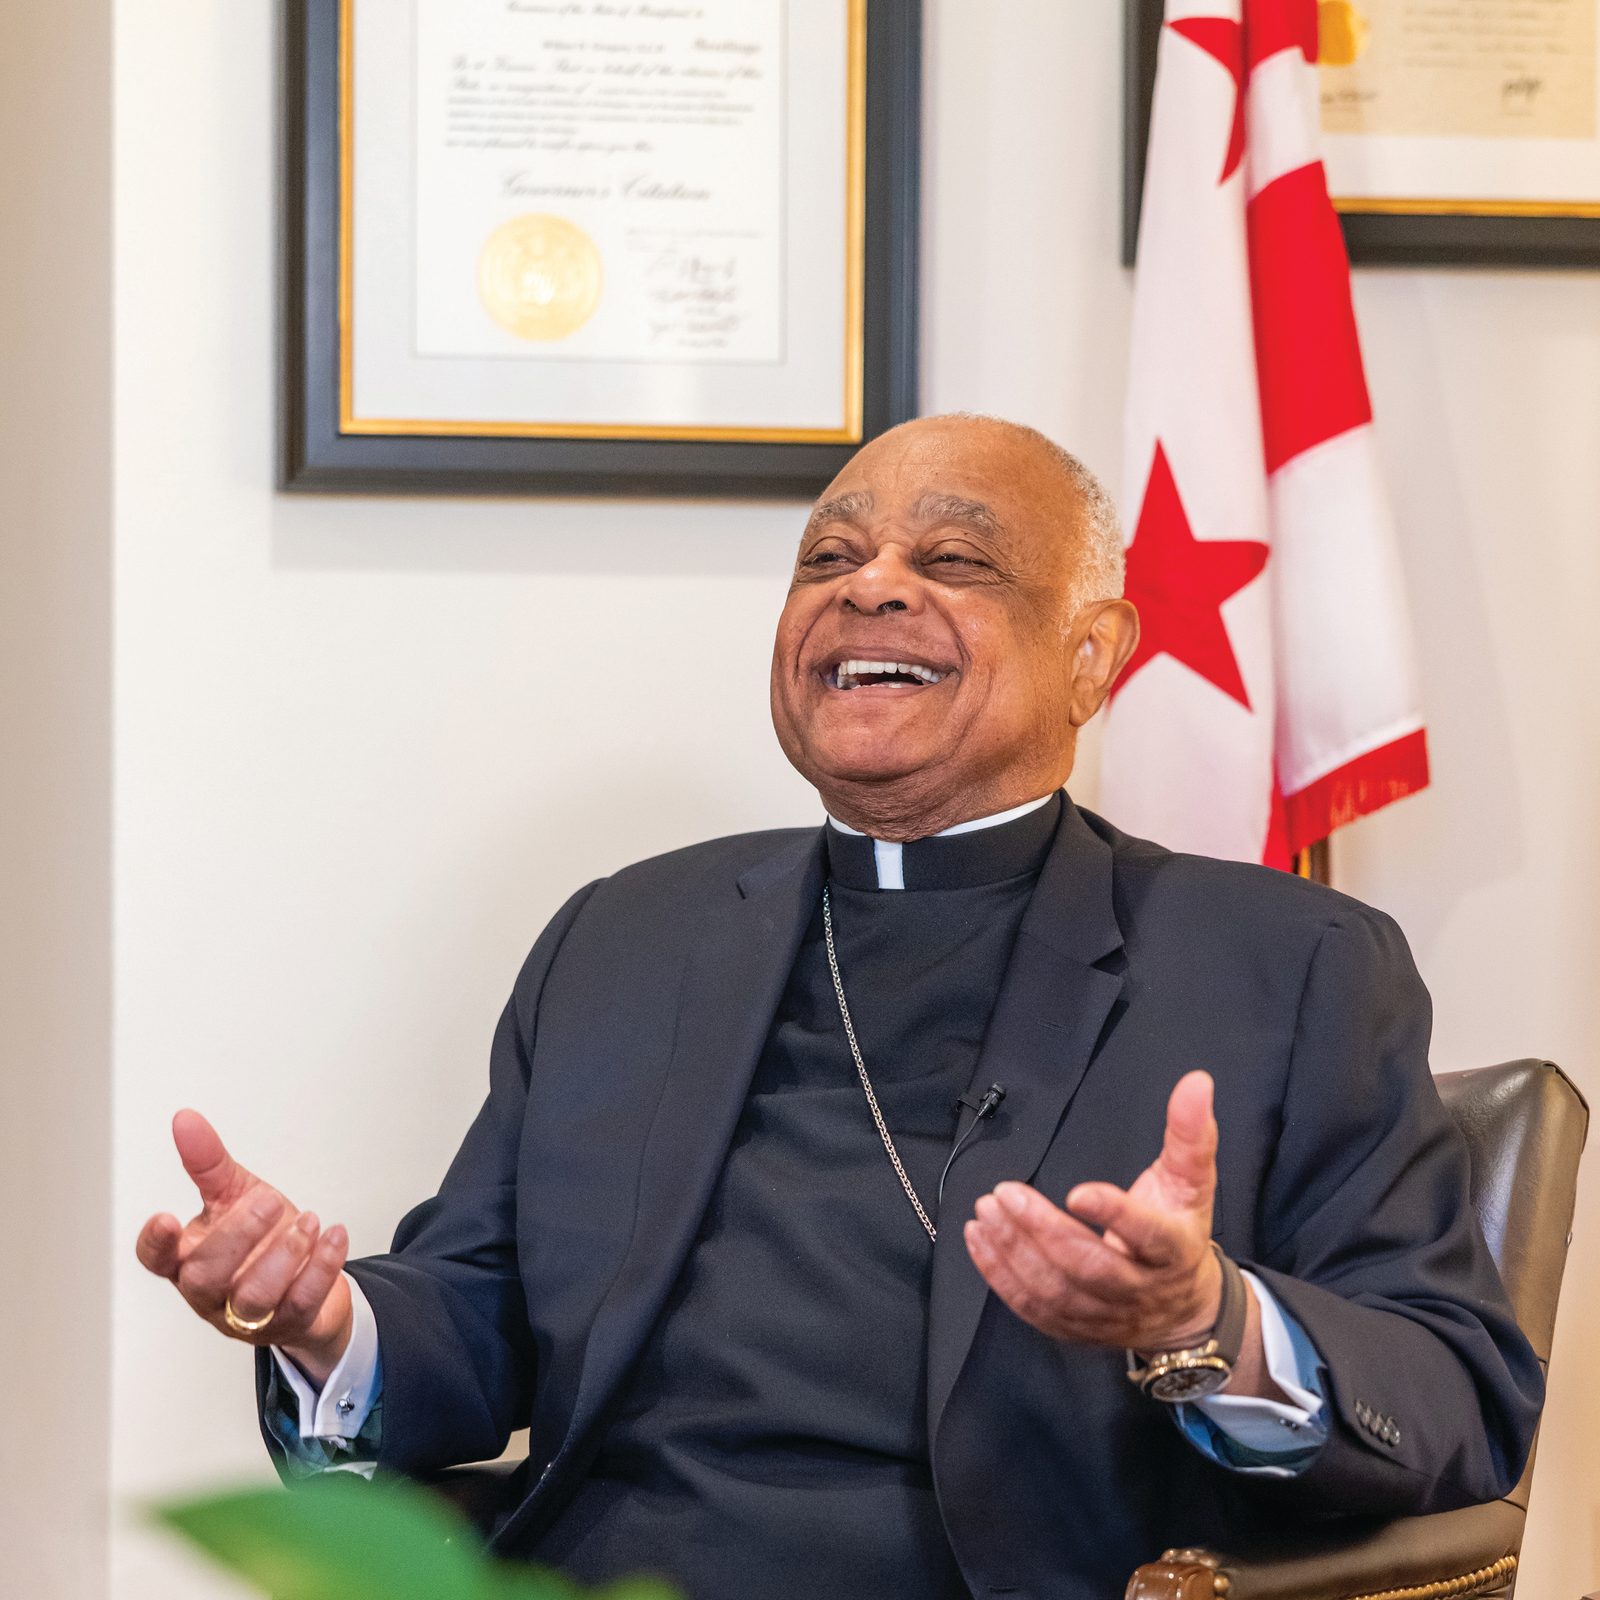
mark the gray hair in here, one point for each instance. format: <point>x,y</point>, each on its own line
<point>1102,570</point>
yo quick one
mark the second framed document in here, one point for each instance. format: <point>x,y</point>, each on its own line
<point>1453,132</point>
<point>599,245</point>
<point>1464,131</point>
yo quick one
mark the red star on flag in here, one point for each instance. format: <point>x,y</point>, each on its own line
<point>1179,582</point>
<point>1223,40</point>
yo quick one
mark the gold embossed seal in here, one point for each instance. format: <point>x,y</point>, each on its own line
<point>1342,32</point>
<point>540,276</point>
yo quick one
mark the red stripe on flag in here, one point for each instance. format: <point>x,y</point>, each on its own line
<point>1390,772</point>
<point>1308,357</point>
<point>1274,25</point>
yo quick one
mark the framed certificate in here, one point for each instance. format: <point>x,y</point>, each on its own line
<point>1454,132</point>
<point>599,245</point>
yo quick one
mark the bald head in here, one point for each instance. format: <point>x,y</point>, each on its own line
<point>1064,500</point>
<point>980,566</point>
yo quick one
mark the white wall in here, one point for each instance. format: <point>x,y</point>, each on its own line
<point>55,829</point>
<point>365,747</point>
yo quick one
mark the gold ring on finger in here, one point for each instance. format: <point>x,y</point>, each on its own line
<point>241,1324</point>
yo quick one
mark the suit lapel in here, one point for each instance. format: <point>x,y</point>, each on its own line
<point>1047,1022</point>
<point>743,954</point>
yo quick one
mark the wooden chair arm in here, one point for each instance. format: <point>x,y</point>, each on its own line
<point>1451,1556</point>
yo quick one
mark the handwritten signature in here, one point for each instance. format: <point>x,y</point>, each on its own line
<point>1519,93</point>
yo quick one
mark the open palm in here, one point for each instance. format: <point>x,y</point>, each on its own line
<point>1129,1268</point>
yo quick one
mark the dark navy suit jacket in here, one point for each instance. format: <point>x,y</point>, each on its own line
<point>519,1295</point>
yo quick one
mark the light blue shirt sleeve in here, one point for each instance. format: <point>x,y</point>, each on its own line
<point>336,1428</point>
<point>1266,1437</point>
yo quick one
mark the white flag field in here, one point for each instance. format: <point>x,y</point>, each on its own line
<point>1273,695</point>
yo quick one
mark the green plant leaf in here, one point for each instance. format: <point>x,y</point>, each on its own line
<point>533,1583</point>
<point>530,1583</point>
<point>337,1538</point>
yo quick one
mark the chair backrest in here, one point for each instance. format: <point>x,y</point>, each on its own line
<point>1525,1125</point>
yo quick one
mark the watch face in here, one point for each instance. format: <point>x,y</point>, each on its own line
<point>1183,1384</point>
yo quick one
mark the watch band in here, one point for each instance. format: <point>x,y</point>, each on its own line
<point>1177,1376</point>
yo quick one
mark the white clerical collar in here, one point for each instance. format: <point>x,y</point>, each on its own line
<point>888,856</point>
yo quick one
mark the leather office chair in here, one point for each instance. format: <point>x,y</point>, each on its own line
<point>1525,1125</point>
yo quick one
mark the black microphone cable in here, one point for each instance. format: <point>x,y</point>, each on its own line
<point>985,1108</point>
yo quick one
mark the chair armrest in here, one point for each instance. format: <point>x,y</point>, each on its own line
<point>483,1494</point>
<point>1449,1556</point>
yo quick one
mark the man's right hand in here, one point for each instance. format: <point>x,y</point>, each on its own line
<point>250,1248</point>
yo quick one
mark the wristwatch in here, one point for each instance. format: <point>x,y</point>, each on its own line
<point>1177,1376</point>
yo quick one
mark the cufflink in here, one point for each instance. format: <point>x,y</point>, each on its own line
<point>345,1406</point>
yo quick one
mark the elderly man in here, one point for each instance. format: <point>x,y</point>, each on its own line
<point>845,1216</point>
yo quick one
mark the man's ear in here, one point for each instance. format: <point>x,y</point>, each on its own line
<point>1108,632</point>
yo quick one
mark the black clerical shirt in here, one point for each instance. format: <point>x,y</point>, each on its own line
<point>770,1441</point>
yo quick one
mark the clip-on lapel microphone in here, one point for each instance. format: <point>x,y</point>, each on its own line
<point>982,1108</point>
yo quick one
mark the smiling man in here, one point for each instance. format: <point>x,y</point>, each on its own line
<point>847,1214</point>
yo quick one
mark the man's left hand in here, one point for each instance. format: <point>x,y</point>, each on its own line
<point>1126,1268</point>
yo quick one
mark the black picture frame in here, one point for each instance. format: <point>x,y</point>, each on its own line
<point>1373,238</point>
<point>318,457</point>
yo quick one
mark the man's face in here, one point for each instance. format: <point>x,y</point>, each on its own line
<point>945,548</point>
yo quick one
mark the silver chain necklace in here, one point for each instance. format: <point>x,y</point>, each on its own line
<point>861,1069</point>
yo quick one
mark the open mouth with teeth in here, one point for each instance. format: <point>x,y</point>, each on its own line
<point>865,674</point>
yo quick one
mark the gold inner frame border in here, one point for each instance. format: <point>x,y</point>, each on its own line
<point>1422,206</point>
<point>855,290</point>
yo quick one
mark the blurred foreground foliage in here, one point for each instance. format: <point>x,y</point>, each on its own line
<point>338,1538</point>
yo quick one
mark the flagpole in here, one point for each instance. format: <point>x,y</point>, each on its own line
<point>1313,862</point>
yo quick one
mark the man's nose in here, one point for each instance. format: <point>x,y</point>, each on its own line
<point>885,583</point>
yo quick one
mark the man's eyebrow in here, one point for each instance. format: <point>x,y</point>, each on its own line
<point>956,508</point>
<point>852,507</point>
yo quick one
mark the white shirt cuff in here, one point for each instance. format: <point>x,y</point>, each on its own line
<point>337,1411</point>
<point>1269,1425</point>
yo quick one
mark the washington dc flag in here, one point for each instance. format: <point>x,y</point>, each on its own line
<point>1273,694</point>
